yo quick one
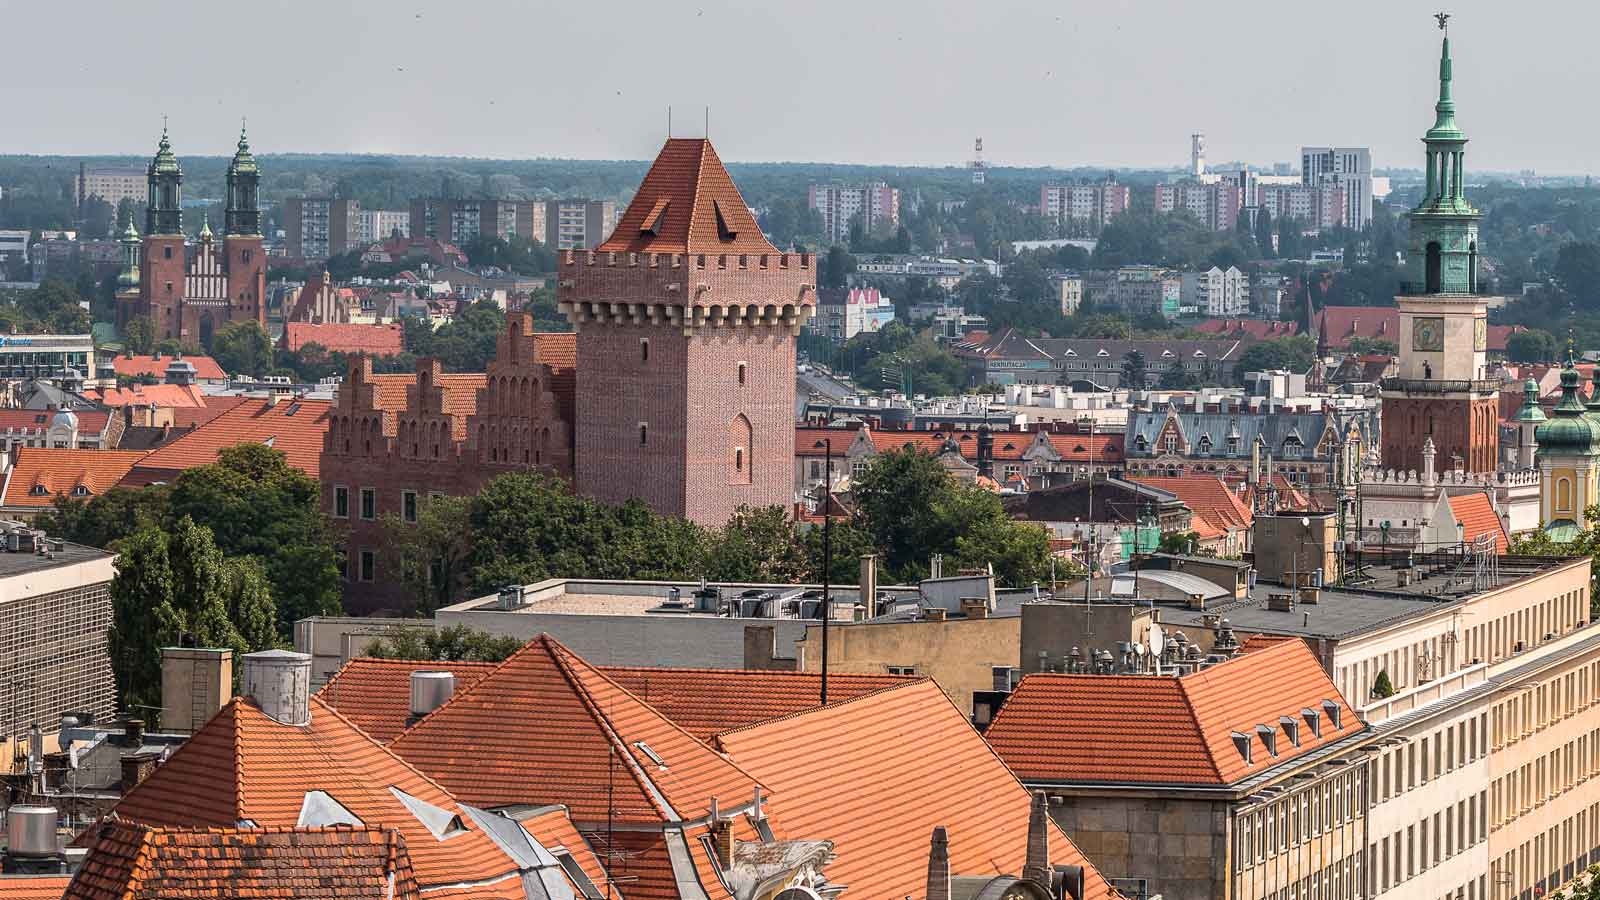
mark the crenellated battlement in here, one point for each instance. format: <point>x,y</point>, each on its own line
<point>758,261</point>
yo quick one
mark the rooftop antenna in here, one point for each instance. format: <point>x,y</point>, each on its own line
<point>708,123</point>
<point>669,121</point>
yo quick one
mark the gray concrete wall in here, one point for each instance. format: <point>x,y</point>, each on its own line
<point>1179,845</point>
<point>648,640</point>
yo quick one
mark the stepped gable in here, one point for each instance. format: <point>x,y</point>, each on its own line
<point>687,204</point>
<point>546,727</point>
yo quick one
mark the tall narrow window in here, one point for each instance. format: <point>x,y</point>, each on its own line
<point>644,433</point>
<point>739,437</point>
<point>644,349</point>
<point>741,374</point>
<point>1433,267</point>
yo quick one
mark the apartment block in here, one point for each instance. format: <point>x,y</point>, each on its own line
<point>876,205</point>
<point>111,184</point>
<point>377,225</point>
<point>1321,205</point>
<point>1349,167</point>
<point>1215,293</point>
<point>320,227</point>
<point>1086,206</point>
<point>1216,204</point>
<point>578,224</point>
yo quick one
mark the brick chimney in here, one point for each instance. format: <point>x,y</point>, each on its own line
<point>939,865</point>
<point>1036,866</point>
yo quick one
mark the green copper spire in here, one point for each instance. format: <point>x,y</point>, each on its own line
<point>128,278</point>
<point>1442,254</point>
<point>164,162</point>
<point>1570,431</point>
<point>243,161</point>
<point>1444,126</point>
<point>205,228</point>
<point>1530,411</point>
<point>165,213</point>
<point>243,214</point>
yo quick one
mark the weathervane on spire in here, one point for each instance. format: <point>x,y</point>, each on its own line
<point>1444,21</point>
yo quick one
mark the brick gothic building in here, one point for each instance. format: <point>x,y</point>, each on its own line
<point>677,388</point>
<point>190,291</point>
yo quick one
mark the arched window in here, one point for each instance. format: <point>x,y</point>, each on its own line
<point>1434,265</point>
<point>1563,494</point>
<point>739,437</point>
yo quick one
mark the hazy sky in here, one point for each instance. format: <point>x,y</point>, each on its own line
<point>869,81</point>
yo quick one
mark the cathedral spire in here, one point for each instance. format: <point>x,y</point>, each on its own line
<point>243,215</point>
<point>165,213</point>
<point>1442,257</point>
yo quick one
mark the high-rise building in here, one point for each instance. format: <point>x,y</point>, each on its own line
<point>376,225</point>
<point>687,323</point>
<point>111,184</point>
<point>876,205</point>
<point>1216,205</point>
<point>188,292</point>
<point>319,227</point>
<point>1197,155</point>
<point>558,224</point>
<point>1350,167</point>
<point>1443,393</point>
<point>1217,293</point>
<point>1086,205</point>
<point>1318,206</point>
<point>578,224</point>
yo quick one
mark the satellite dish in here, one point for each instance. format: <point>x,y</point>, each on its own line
<point>1156,640</point>
<point>1140,649</point>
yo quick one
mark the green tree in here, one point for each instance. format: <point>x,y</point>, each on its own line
<point>1293,353</point>
<point>174,588</point>
<point>1532,346</point>
<point>139,334</point>
<point>1026,280</point>
<point>108,518</point>
<point>1577,271</point>
<point>456,643</point>
<point>1177,378</point>
<point>1264,234</point>
<point>834,269</point>
<point>242,348</point>
<point>1134,371</point>
<point>759,545</point>
<point>433,551</point>
<point>1360,344</point>
<point>1382,686</point>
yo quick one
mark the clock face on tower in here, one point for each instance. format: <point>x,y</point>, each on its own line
<point>1427,333</point>
<point>1480,334</point>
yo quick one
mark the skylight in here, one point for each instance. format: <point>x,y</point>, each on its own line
<point>651,753</point>
<point>319,808</point>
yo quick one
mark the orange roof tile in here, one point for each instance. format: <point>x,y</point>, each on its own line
<point>553,829</point>
<point>186,417</point>
<point>1072,728</point>
<point>1087,447</point>
<point>205,367</point>
<point>687,203</point>
<point>389,391</point>
<point>1477,514</point>
<point>33,887</point>
<point>379,340</point>
<point>644,865</point>
<point>136,862</point>
<point>809,441</point>
<point>179,396</point>
<point>1207,496</point>
<point>244,765</point>
<point>542,729</point>
<point>295,426</point>
<point>90,421</point>
<point>375,694</point>
<point>1262,641</point>
<point>40,474</point>
<point>832,777</point>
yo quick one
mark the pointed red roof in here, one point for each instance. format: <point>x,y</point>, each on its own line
<point>687,203</point>
<point>1476,513</point>
<point>543,727</point>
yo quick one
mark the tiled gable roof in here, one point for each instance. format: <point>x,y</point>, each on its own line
<point>177,396</point>
<point>1085,448</point>
<point>295,426</point>
<point>244,766</point>
<point>186,417</point>
<point>33,887</point>
<point>1476,513</point>
<point>135,862</point>
<point>543,727</point>
<point>379,340</point>
<point>832,777</point>
<point>1341,323</point>
<point>1075,728</point>
<point>40,474</point>
<point>1274,428</point>
<point>687,203</point>
<point>205,367</point>
<point>375,694</point>
<point>1207,496</point>
<point>90,421</point>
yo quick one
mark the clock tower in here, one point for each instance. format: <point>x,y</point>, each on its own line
<point>1442,390</point>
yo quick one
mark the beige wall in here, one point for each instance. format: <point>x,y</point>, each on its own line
<point>959,654</point>
<point>1179,845</point>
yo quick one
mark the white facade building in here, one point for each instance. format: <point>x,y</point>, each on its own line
<point>1348,166</point>
<point>1216,293</point>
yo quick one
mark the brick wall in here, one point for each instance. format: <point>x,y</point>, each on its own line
<point>161,287</point>
<point>247,278</point>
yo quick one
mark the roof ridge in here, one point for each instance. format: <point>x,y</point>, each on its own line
<point>820,709</point>
<point>591,706</point>
<point>1194,720</point>
<point>495,668</point>
<point>699,184</point>
<point>328,707</point>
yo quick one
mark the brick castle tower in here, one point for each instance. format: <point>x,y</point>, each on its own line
<point>188,293</point>
<point>686,319</point>
<point>1443,390</point>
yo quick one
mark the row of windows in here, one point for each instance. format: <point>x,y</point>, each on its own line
<point>1549,860</point>
<point>1532,711</point>
<point>369,503</point>
<point>1340,880</point>
<point>1276,826</point>
<point>1417,761</point>
<point>1401,856</point>
<point>1531,785</point>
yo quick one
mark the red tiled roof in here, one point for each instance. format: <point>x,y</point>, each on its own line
<point>379,340</point>
<point>834,774</point>
<point>1207,496</point>
<point>1262,641</point>
<point>136,862</point>
<point>1072,728</point>
<point>553,828</point>
<point>389,391</point>
<point>1260,329</point>
<point>33,887</point>
<point>687,203</point>
<point>90,421</point>
<point>1383,323</point>
<point>40,474</point>
<point>186,417</point>
<point>809,441</point>
<point>205,367</point>
<point>294,426</point>
<point>644,865</point>
<point>1477,514</point>
<point>179,396</point>
<point>244,765</point>
<point>375,694</point>
<point>1086,447</point>
<point>542,729</point>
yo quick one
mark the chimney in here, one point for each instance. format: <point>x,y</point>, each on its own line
<point>939,865</point>
<point>280,683</point>
<point>1310,594</point>
<point>1036,867</point>
<point>1197,601</point>
<point>430,690</point>
<point>869,584</point>
<point>195,683</point>
<point>975,607</point>
<point>136,767</point>
<point>933,613</point>
<point>133,732</point>
<point>722,843</point>
<point>1279,602</point>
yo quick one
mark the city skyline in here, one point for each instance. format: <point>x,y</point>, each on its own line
<point>1041,88</point>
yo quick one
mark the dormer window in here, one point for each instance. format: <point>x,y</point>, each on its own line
<point>1335,713</point>
<point>1269,738</point>
<point>1291,729</point>
<point>1241,742</point>
<point>1199,354</point>
<point>654,218</point>
<point>1205,443</point>
<point>1102,352</point>
<point>80,491</point>
<point>40,490</point>
<point>1167,354</point>
<point>1313,721</point>
<point>725,231</point>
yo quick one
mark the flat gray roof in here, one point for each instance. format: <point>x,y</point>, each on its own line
<point>20,563</point>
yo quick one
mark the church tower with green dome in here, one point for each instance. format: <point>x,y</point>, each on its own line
<point>1569,461</point>
<point>1442,390</point>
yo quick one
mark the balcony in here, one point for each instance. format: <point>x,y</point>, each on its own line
<point>1439,386</point>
